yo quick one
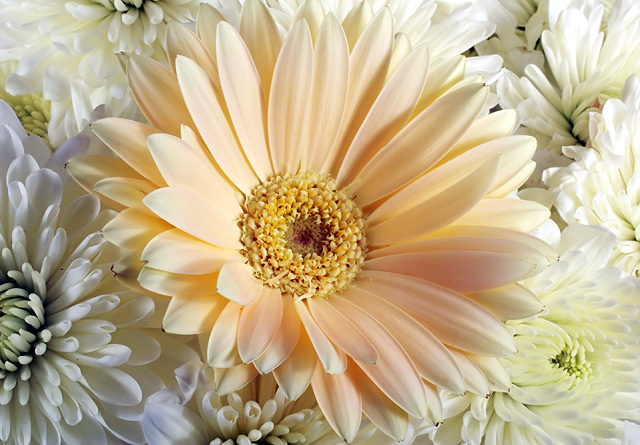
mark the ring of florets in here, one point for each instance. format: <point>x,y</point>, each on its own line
<point>302,235</point>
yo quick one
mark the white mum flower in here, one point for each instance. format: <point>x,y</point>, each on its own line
<point>67,50</point>
<point>193,413</point>
<point>589,57</point>
<point>73,359</point>
<point>602,185</point>
<point>574,378</point>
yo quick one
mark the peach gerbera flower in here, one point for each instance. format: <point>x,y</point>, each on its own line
<point>327,213</point>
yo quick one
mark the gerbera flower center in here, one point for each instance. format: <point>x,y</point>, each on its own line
<point>303,235</point>
<point>572,360</point>
<point>22,336</point>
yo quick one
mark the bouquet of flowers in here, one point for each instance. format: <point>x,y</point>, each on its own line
<point>319,222</point>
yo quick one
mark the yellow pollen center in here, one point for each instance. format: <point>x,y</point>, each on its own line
<point>302,235</point>
<point>572,360</point>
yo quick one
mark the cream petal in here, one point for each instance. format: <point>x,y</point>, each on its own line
<point>356,21</point>
<point>424,140</point>
<point>261,35</point>
<point>333,360</point>
<point>259,323</point>
<point>188,316</point>
<point>474,379</point>
<point>133,229</point>
<point>342,332</point>
<point>186,166</point>
<point>516,214</point>
<point>177,252</point>
<point>127,192</point>
<point>328,93</point>
<point>222,350</point>
<point>495,372</point>
<point>177,285</point>
<point>339,400</point>
<point>493,126</point>
<point>244,97</point>
<point>289,97</point>
<point>87,170</point>
<point>313,13</point>
<point>284,342</point>
<point>195,216</point>
<point>431,358</point>
<point>232,379</point>
<point>211,122</point>
<point>388,114</point>
<point>394,372</point>
<point>166,111</point>
<point>443,75</point>
<point>386,415</point>
<point>181,41</point>
<point>369,63</point>
<point>206,27</point>
<point>237,283</point>
<point>127,139</point>
<point>451,317</point>
<point>460,270</point>
<point>510,302</point>
<point>434,212</point>
<point>294,374</point>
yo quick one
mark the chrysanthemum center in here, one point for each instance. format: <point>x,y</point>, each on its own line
<point>572,359</point>
<point>303,235</point>
<point>22,336</point>
<point>33,110</point>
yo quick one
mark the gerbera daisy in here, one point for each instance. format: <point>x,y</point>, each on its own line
<point>74,354</point>
<point>192,412</point>
<point>322,215</point>
<point>575,374</point>
<point>67,51</point>
<point>600,187</point>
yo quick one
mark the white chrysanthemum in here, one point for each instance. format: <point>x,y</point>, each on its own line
<point>602,185</point>
<point>193,413</point>
<point>416,22</point>
<point>67,51</point>
<point>72,355</point>
<point>575,376</point>
<point>586,66</point>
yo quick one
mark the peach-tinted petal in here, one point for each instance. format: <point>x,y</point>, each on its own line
<point>181,41</point>
<point>451,317</point>
<point>195,215</point>
<point>385,414</point>
<point>211,121</point>
<point>127,192</point>
<point>128,140</point>
<point>434,212</point>
<point>229,380</point>
<point>289,97</point>
<point>192,315</point>
<point>206,27</point>
<point>313,13</point>
<point>474,379</point>
<point>244,98</point>
<point>261,35</point>
<point>294,374</point>
<point>389,113</point>
<point>458,269</point>
<point>422,346</point>
<point>342,332</point>
<point>339,400</point>
<point>516,214</point>
<point>285,340</point>
<point>333,360</point>
<point>166,111</point>
<point>177,285</point>
<point>369,62</point>
<point>394,373</point>
<point>424,140</point>
<point>356,21</point>
<point>133,229</point>
<point>443,75</point>
<point>328,93</point>
<point>492,126</point>
<point>259,323</point>
<point>87,170</point>
<point>495,372</point>
<point>222,350</point>
<point>185,166</point>
<point>178,252</point>
<point>510,302</point>
<point>237,283</point>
